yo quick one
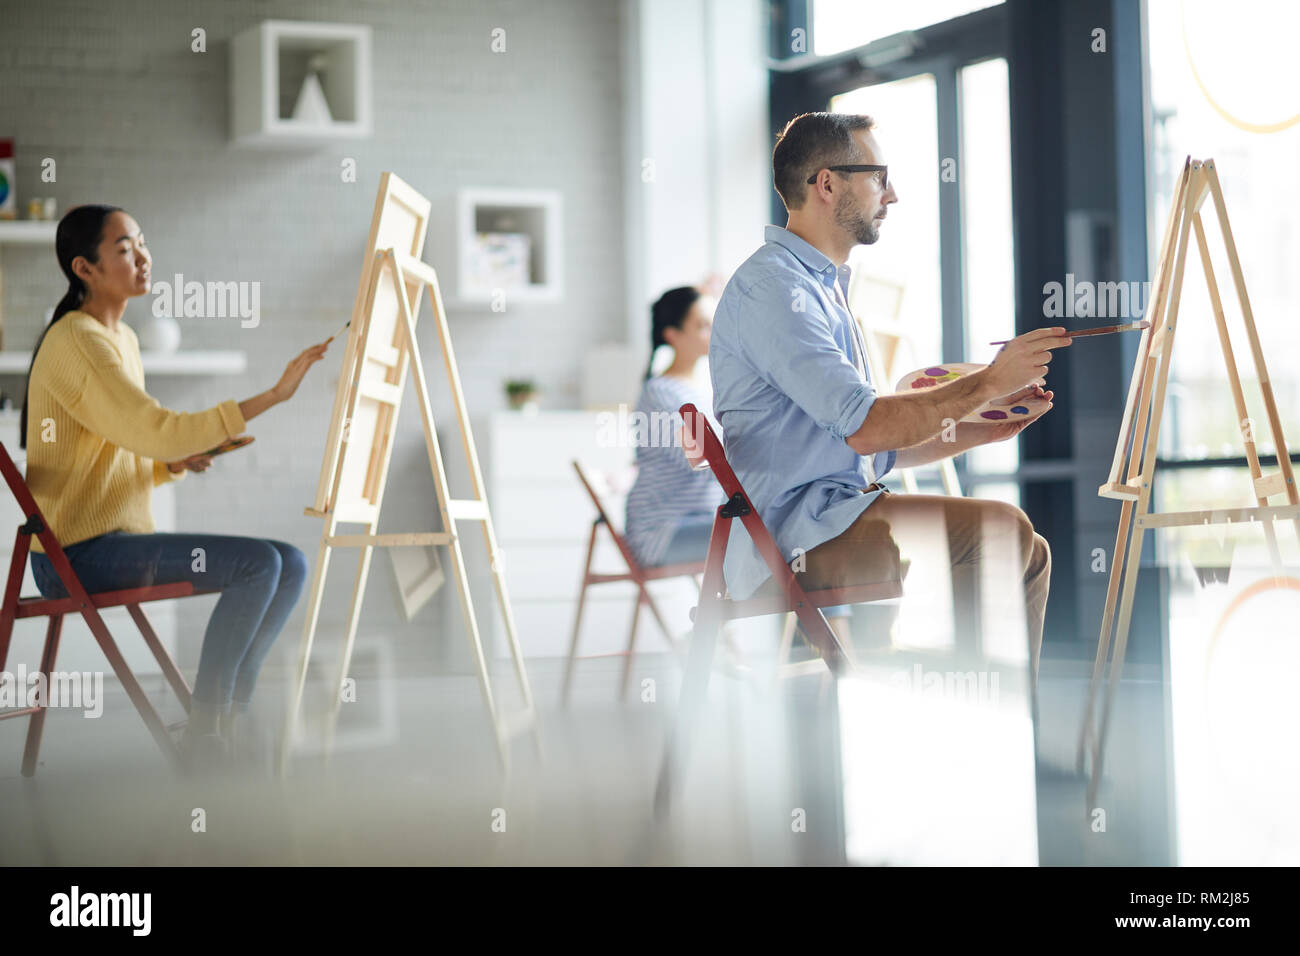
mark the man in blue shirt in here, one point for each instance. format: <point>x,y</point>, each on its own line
<point>805,431</point>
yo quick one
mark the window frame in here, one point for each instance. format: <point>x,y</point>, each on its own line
<point>805,83</point>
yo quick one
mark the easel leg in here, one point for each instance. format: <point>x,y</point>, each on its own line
<point>512,636</point>
<point>1234,382</point>
<point>1131,571</point>
<point>304,651</point>
<point>1143,459</point>
<point>349,641</point>
<point>1252,334</point>
<point>476,647</point>
<point>1107,628</point>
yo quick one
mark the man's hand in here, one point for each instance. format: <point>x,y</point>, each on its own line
<point>193,463</point>
<point>1023,360</point>
<point>981,434</point>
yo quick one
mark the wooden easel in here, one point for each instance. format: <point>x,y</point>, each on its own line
<point>381,348</point>
<point>1135,450</point>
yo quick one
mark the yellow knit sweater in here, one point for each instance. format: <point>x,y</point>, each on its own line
<point>97,443</point>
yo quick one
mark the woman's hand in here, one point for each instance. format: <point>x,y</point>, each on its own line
<point>283,390</point>
<point>294,372</point>
<point>193,463</point>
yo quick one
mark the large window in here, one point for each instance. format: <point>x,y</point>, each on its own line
<point>1222,87</point>
<point>942,276</point>
<point>907,255</point>
<point>987,248</point>
<point>840,25</point>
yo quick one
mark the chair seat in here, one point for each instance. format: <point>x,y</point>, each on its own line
<point>659,571</point>
<point>43,607</point>
<point>827,597</point>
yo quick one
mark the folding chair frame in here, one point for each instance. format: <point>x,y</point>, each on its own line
<point>88,605</point>
<point>636,573</point>
<point>715,608</point>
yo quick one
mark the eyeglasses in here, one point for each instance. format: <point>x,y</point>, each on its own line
<point>859,168</point>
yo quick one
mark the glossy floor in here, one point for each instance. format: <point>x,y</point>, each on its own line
<point>917,760</point>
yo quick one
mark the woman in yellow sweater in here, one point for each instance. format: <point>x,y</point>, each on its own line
<point>97,444</point>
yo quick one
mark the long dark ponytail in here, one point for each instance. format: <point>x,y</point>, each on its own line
<point>79,234</point>
<point>669,312</point>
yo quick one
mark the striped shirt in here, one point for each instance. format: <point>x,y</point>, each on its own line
<point>667,490</point>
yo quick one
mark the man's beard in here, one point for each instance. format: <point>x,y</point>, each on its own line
<point>863,230</point>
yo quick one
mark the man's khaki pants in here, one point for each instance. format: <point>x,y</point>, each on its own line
<point>985,541</point>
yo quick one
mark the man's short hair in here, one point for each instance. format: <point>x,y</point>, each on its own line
<point>813,141</point>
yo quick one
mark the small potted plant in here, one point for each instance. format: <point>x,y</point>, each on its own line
<point>521,394</point>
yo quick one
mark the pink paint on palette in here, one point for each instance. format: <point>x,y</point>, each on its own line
<point>934,376</point>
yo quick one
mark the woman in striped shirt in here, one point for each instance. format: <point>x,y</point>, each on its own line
<point>670,507</point>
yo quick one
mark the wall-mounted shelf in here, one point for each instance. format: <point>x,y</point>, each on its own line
<point>27,231</point>
<point>268,64</point>
<point>508,241</point>
<point>192,362</point>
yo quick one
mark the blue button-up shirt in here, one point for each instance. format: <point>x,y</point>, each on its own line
<point>789,385</point>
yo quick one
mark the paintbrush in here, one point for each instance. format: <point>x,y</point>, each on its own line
<point>1102,330</point>
<point>339,332</point>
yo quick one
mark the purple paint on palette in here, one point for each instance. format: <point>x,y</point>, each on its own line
<point>1020,410</point>
<point>995,415</point>
<point>936,371</point>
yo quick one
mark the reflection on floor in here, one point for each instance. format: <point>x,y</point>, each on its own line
<point>893,766</point>
<point>1235,716</point>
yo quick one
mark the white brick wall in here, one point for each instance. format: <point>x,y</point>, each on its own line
<point>133,117</point>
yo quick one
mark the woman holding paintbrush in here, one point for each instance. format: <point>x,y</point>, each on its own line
<point>97,446</point>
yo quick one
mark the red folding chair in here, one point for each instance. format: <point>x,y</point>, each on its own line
<point>88,605</point>
<point>715,607</point>
<point>636,573</point>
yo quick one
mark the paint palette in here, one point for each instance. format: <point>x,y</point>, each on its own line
<point>998,410</point>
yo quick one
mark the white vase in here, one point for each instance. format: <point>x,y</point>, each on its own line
<point>159,333</point>
<point>312,108</point>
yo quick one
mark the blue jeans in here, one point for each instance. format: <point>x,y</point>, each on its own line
<point>690,542</point>
<point>259,580</point>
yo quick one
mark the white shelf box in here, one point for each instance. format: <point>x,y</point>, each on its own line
<point>268,64</point>
<point>509,242</point>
